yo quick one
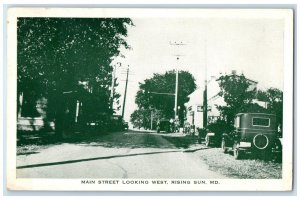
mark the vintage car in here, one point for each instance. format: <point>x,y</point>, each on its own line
<point>213,133</point>
<point>254,133</point>
<point>212,139</point>
<point>164,125</point>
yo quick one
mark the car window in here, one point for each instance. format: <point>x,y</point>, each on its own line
<point>258,121</point>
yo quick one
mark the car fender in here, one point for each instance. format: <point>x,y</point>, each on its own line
<point>278,143</point>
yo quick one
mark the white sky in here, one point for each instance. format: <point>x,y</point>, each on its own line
<point>251,46</point>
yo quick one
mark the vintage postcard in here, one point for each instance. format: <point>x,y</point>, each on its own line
<point>103,99</point>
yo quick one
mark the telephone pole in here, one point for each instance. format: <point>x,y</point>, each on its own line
<point>205,105</point>
<point>176,83</point>
<point>205,89</point>
<point>176,93</point>
<point>124,100</point>
<point>113,85</point>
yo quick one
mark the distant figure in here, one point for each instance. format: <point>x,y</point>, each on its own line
<point>176,123</point>
<point>171,125</point>
<point>186,127</point>
<point>192,130</point>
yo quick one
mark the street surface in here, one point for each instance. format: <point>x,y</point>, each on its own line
<point>129,154</point>
<point>133,154</point>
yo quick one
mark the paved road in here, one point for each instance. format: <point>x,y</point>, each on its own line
<point>129,154</point>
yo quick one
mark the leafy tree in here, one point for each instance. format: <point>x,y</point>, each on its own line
<point>276,103</point>
<point>136,118</point>
<point>238,96</point>
<point>148,95</point>
<point>142,118</point>
<point>274,98</point>
<point>262,96</point>
<point>235,89</point>
<point>54,54</point>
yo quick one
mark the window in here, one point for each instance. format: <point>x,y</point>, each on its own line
<point>257,121</point>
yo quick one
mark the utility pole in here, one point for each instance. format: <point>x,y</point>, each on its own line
<point>205,89</point>
<point>151,119</point>
<point>176,93</point>
<point>205,105</point>
<point>113,85</point>
<point>176,83</point>
<point>124,100</point>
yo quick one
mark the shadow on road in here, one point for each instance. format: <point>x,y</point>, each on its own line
<point>91,159</point>
<point>105,157</point>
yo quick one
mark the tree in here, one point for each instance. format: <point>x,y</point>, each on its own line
<point>235,89</point>
<point>274,98</point>
<point>148,96</point>
<point>141,118</point>
<point>54,54</point>
<point>238,96</point>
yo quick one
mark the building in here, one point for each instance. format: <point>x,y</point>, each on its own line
<point>36,113</point>
<point>194,107</point>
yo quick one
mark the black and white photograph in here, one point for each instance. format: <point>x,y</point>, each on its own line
<point>150,99</point>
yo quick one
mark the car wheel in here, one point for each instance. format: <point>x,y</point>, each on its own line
<point>236,152</point>
<point>223,146</point>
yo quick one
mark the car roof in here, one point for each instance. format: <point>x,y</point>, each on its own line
<point>255,114</point>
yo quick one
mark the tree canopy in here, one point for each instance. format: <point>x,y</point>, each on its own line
<point>54,55</point>
<point>239,95</point>
<point>56,52</point>
<point>148,96</point>
<point>274,98</point>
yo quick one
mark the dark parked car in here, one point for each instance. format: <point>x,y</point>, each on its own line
<point>212,135</point>
<point>163,125</point>
<point>254,133</point>
<point>125,125</point>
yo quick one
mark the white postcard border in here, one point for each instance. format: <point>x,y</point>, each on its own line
<point>284,184</point>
